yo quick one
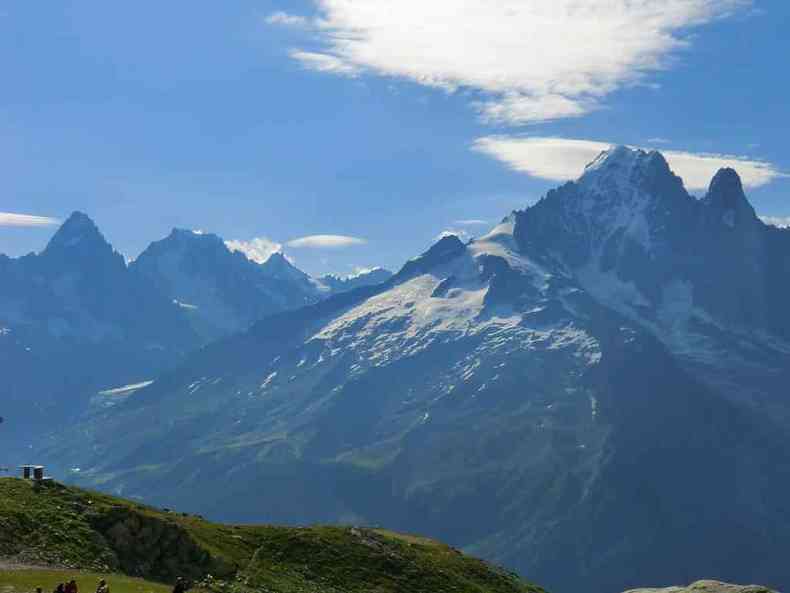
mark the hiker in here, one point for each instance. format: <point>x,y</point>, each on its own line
<point>102,588</point>
<point>71,587</point>
<point>180,586</point>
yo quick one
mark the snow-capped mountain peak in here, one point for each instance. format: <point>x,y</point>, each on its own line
<point>624,168</point>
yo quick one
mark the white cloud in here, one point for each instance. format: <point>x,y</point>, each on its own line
<point>324,63</point>
<point>26,220</point>
<point>471,222</point>
<point>783,222</point>
<point>325,242</point>
<point>283,18</point>
<point>532,60</point>
<point>259,249</point>
<point>562,159</point>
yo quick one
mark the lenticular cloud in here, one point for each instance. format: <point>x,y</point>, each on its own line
<point>531,60</point>
<point>25,220</point>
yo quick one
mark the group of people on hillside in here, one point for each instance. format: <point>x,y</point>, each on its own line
<point>71,587</point>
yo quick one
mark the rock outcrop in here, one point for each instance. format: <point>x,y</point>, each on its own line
<point>708,587</point>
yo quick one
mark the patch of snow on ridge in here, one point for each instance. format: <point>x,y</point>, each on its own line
<point>184,305</point>
<point>500,242</point>
<point>126,389</point>
<point>407,319</point>
<point>268,380</point>
<point>676,317</point>
<point>608,288</point>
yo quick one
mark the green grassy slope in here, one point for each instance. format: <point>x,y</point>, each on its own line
<point>25,581</point>
<point>69,527</point>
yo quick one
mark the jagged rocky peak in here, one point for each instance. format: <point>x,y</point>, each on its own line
<point>278,266</point>
<point>79,245</point>
<point>78,230</point>
<point>624,158</point>
<point>624,168</point>
<point>185,243</point>
<point>446,245</point>
<point>627,200</point>
<point>727,199</point>
<point>278,259</point>
<point>445,249</point>
<point>728,183</point>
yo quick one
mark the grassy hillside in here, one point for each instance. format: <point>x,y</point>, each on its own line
<point>25,581</point>
<point>69,527</point>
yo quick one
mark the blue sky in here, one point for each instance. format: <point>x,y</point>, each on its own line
<point>382,122</point>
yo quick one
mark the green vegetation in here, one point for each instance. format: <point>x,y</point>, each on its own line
<point>26,581</point>
<point>68,527</point>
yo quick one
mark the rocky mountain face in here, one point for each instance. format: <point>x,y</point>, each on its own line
<point>707,277</point>
<point>594,394</point>
<point>223,292</point>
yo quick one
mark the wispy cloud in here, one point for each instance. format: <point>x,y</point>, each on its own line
<point>531,60</point>
<point>561,159</point>
<point>325,242</point>
<point>471,222</point>
<point>259,249</point>
<point>26,220</point>
<point>325,63</point>
<point>284,18</point>
<point>783,222</point>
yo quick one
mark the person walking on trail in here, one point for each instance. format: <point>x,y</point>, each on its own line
<point>180,586</point>
<point>71,587</point>
<point>102,588</point>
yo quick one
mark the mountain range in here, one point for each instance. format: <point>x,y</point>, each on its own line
<point>222,291</point>
<point>593,393</point>
<point>76,320</point>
